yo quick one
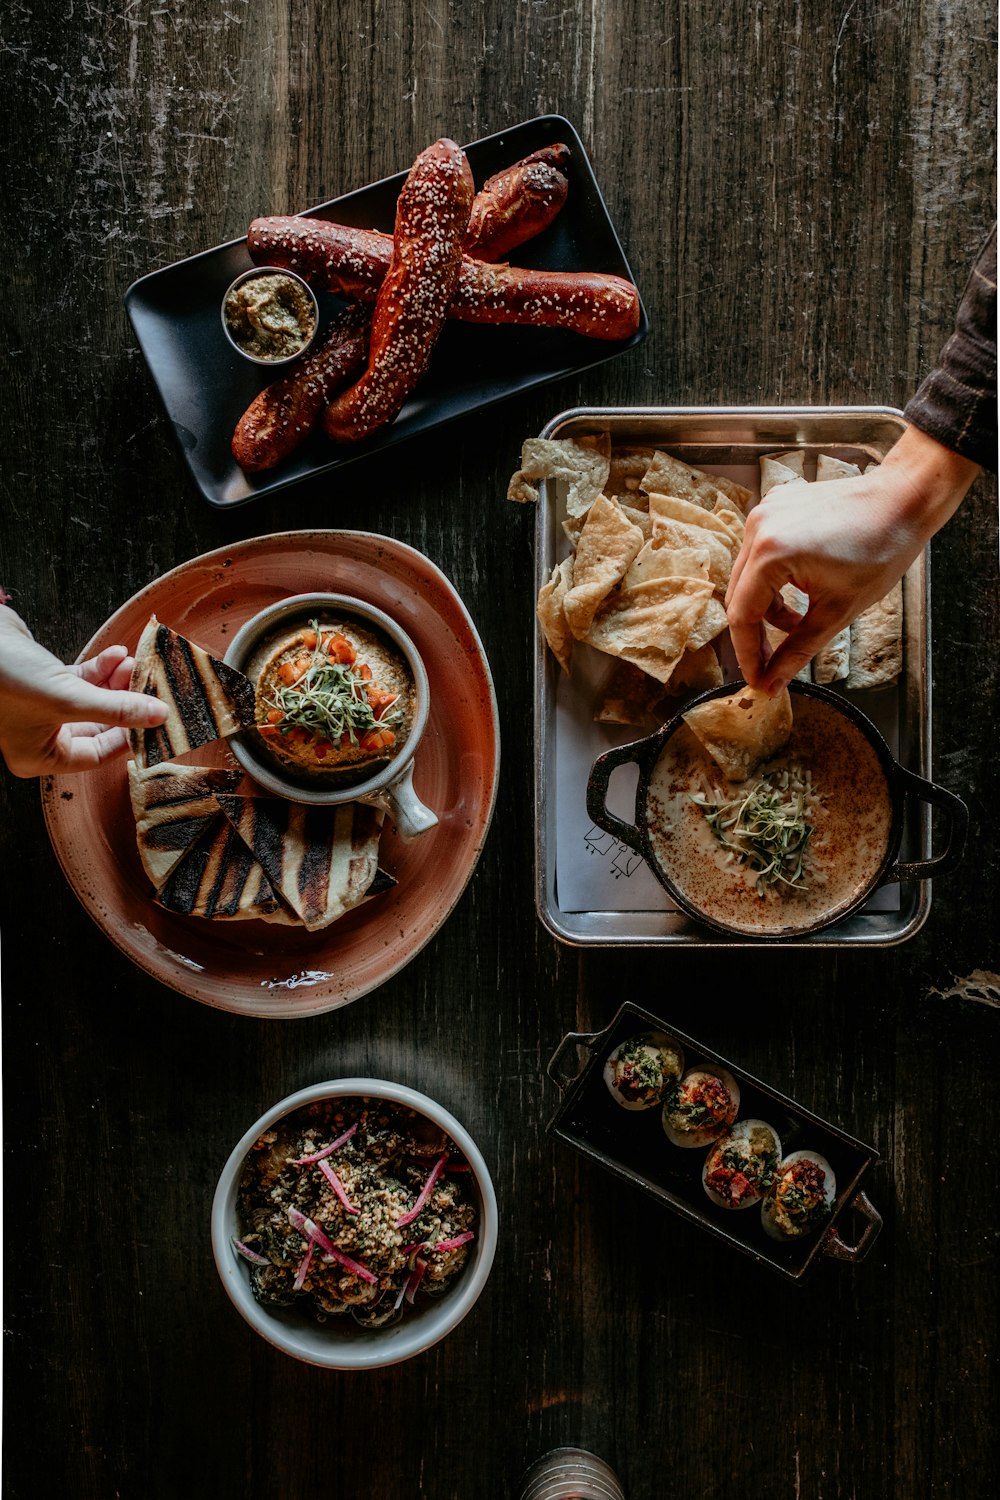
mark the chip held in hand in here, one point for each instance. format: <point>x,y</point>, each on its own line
<point>743,730</point>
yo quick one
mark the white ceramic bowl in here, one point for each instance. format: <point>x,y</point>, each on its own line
<point>327,1344</point>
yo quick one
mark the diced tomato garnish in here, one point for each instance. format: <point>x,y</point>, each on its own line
<point>381,702</point>
<point>308,638</point>
<point>341,650</point>
<point>365,671</point>
<point>268,730</point>
<point>378,739</point>
<point>275,715</point>
<point>298,735</point>
<point>291,671</point>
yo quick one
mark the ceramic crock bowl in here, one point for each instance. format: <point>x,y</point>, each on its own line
<point>899,783</point>
<point>330,1345</point>
<point>391,787</point>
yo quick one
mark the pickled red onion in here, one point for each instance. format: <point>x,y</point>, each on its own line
<point>425,1192</point>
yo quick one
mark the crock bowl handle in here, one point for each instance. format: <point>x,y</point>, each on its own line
<point>597,793</point>
<point>956,828</point>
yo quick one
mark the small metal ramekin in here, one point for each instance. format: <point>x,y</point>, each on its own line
<point>251,275</point>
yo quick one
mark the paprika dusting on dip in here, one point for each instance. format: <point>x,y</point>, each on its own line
<point>796,843</point>
<point>335,698</point>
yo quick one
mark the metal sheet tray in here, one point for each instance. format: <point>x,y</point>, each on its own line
<point>728,437</point>
<point>632,1145</point>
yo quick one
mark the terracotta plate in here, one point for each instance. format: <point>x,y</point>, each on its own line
<point>254,967</point>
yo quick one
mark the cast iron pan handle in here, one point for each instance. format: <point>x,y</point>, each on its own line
<point>557,1070</point>
<point>597,793</point>
<point>834,1245</point>
<point>956,828</point>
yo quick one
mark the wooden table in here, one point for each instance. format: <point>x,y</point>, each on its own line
<point>800,191</point>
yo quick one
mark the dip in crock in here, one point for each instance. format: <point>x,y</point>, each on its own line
<point>335,699</point>
<point>826,791</point>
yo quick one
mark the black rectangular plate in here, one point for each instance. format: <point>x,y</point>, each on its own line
<point>206,385</point>
<point>632,1145</point>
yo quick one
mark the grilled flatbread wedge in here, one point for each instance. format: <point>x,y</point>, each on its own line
<point>173,806</point>
<point>218,877</point>
<point>207,699</point>
<point>321,860</point>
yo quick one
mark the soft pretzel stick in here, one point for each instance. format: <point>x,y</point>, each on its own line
<point>517,203</point>
<point>432,216</point>
<point>353,262</point>
<point>283,415</point>
<point>513,206</point>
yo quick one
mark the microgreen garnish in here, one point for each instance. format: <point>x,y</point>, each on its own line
<point>765,829</point>
<point>329,699</point>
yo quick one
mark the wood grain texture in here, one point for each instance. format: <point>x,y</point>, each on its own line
<point>800,191</point>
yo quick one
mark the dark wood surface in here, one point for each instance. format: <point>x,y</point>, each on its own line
<point>800,190</point>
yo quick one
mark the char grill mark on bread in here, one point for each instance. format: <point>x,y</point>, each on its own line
<point>353,262</point>
<point>219,878</point>
<point>517,203</point>
<point>285,412</point>
<point>207,699</point>
<point>173,805</point>
<point>432,216</point>
<point>321,860</point>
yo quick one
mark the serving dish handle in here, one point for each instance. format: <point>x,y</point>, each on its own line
<point>956,828</point>
<point>597,792</point>
<point>565,1071</point>
<point>834,1246</point>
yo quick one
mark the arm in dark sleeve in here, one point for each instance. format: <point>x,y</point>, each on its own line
<point>957,403</point>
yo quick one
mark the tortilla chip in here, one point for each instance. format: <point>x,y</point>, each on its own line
<point>743,730</point>
<point>780,468</point>
<point>627,467</point>
<point>711,622</point>
<point>732,521</point>
<point>552,616</point>
<point>832,662</point>
<point>828,467</point>
<point>668,476</point>
<point>650,624</point>
<point>640,518</point>
<point>877,642</point>
<point>607,545</point>
<point>667,562</point>
<point>671,507</point>
<point>581,463</point>
<point>738,494</point>
<point>674,534</point>
<point>629,697</point>
<point>696,672</point>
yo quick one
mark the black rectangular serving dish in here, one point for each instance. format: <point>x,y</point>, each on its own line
<point>205,385</point>
<point>632,1145</point>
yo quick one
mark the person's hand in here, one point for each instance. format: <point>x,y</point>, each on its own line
<point>844,543</point>
<point>57,718</point>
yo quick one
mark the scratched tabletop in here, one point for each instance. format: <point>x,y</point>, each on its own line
<point>799,191</point>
